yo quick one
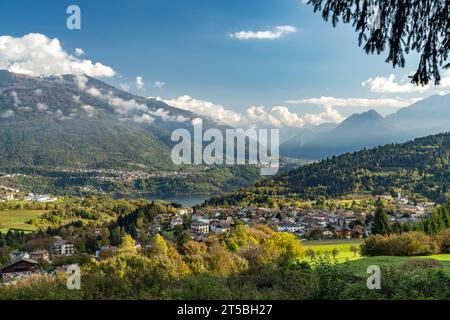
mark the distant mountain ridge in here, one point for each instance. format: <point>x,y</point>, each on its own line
<point>370,129</point>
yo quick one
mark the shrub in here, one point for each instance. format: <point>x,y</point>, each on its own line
<point>415,264</point>
<point>407,244</point>
<point>443,239</point>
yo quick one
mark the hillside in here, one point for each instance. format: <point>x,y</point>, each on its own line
<point>80,123</point>
<point>421,166</point>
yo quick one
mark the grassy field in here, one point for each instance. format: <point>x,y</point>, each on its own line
<point>17,219</point>
<point>343,247</point>
<point>359,264</point>
<point>359,267</point>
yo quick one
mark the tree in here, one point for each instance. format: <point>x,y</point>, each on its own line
<point>354,249</point>
<point>128,245</point>
<point>310,253</point>
<point>335,252</point>
<point>402,26</point>
<point>105,236</point>
<point>381,224</point>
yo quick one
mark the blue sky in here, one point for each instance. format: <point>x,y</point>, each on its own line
<point>186,45</point>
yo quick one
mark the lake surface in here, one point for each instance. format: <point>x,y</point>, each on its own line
<point>186,201</point>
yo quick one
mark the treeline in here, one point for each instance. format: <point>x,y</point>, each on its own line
<point>431,225</point>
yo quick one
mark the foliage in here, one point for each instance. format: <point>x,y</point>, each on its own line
<point>413,243</point>
<point>381,224</point>
<point>401,26</point>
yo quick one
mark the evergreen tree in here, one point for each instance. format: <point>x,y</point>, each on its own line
<point>381,224</point>
<point>398,26</point>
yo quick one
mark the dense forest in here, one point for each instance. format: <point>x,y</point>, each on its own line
<point>418,167</point>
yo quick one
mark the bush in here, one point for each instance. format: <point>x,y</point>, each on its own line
<point>407,244</point>
<point>415,264</point>
<point>443,239</point>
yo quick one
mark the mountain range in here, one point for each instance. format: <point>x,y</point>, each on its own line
<point>370,129</point>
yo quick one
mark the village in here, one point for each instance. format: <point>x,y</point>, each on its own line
<point>306,223</point>
<point>311,223</point>
<point>112,175</point>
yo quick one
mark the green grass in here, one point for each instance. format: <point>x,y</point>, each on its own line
<point>359,267</point>
<point>358,264</point>
<point>343,246</point>
<point>17,219</point>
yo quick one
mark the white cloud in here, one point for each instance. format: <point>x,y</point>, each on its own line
<point>37,55</point>
<point>94,92</point>
<point>7,114</point>
<point>134,110</point>
<point>42,107</point>
<point>278,116</point>
<point>76,99</point>
<point>24,109</point>
<point>81,81</point>
<point>357,102</point>
<point>126,106</point>
<point>281,116</point>
<point>144,118</point>
<point>139,83</point>
<point>90,110</point>
<point>166,116</point>
<point>206,108</point>
<point>391,85</point>
<point>79,52</point>
<point>16,99</point>
<point>275,33</point>
<point>159,84</point>
<point>125,86</point>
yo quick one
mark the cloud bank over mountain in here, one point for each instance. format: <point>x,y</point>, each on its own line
<point>277,116</point>
<point>35,54</point>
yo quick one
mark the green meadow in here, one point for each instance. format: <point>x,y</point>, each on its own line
<point>344,252</point>
<point>18,219</point>
<point>359,264</point>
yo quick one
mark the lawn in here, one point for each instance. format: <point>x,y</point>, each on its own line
<point>17,219</point>
<point>359,264</point>
<point>359,267</point>
<point>343,247</point>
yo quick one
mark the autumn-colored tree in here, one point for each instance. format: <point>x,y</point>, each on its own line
<point>128,245</point>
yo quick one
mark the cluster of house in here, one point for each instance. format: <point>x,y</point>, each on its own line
<point>123,175</point>
<point>10,194</point>
<point>339,223</point>
<point>7,193</point>
<point>40,198</point>
<point>23,265</point>
<point>293,220</point>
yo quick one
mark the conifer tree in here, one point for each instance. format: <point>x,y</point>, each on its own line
<point>400,27</point>
<point>381,224</point>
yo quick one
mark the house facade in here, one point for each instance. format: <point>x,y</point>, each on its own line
<point>63,248</point>
<point>17,270</point>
